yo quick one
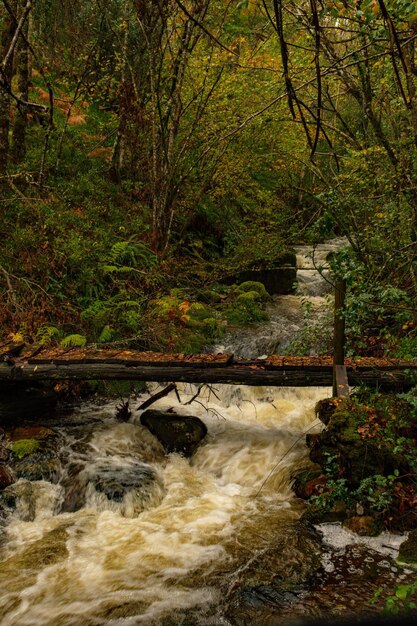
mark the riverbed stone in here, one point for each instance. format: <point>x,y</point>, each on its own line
<point>177,433</point>
<point>6,476</point>
<point>363,525</point>
<point>4,453</point>
<point>115,483</point>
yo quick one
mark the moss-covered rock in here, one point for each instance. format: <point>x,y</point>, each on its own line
<point>325,408</point>
<point>199,311</point>
<point>254,286</point>
<point>35,452</point>
<point>354,441</point>
<point>209,296</point>
<point>24,447</point>
<point>408,549</point>
<point>249,297</point>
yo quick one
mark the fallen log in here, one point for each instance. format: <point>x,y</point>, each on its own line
<point>233,374</point>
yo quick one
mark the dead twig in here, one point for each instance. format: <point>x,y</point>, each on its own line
<point>157,396</point>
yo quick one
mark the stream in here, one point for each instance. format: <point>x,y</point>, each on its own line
<point>212,540</point>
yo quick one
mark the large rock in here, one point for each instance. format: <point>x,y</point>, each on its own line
<point>115,483</point>
<point>408,549</point>
<point>278,276</point>
<point>129,488</point>
<point>176,433</point>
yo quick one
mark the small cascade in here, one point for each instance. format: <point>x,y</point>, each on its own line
<point>289,314</point>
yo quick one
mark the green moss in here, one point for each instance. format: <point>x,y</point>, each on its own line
<point>199,311</point>
<point>210,296</point>
<point>254,286</point>
<point>248,296</point>
<point>24,447</point>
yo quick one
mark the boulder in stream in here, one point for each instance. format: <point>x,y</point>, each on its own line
<point>35,452</point>
<point>122,485</point>
<point>177,433</point>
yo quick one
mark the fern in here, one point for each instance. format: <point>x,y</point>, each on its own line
<point>125,256</point>
<point>74,341</point>
<point>118,251</point>
<point>46,334</point>
<point>116,268</point>
<point>106,334</point>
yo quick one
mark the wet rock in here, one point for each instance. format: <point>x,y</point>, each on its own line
<point>115,483</point>
<point>31,431</point>
<point>316,514</point>
<point>259,605</point>
<point>408,549</point>
<point>309,482</point>
<point>278,277</point>
<point>19,401</point>
<point>6,476</point>
<point>4,454</point>
<point>37,467</point>
<point>35,452</point>
<point>176,433</point>
<point>133,487</point>
<point>363,525</point>
<point>74,488</point>
<point>25,499</point>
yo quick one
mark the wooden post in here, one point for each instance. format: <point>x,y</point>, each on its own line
<point>339,338</point>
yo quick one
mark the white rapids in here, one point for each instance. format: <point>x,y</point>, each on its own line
<point>105,565</point>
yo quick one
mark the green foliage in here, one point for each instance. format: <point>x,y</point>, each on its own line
<point>401,601</point>
<point>406,348</point>
<point>45,335</point>
<point>244,311</point>
<point>73,341</point>
<point>125,256</point>
<point>382,429</point>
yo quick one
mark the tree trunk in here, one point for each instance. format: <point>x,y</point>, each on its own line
<point>22,80</point>
<point>6,39</point>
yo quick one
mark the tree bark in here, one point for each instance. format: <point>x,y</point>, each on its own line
<point>6,40</point>
<point>18,152</point>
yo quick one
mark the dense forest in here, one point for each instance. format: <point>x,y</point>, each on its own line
<point>149,149</point>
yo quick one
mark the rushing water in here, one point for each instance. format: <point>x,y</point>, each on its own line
<point>214,540</point>
<point>289,314</point>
